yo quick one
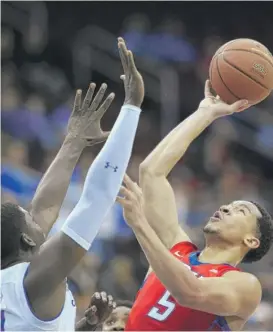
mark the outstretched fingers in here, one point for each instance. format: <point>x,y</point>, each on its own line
<point>105,105</point>
<point>98,98</point>
<point>239,106</point>
<point>132,186</point>
<point>208,90</point>
<point>77,102</point>
<point>125,197</point>
<point>89,96</point>
<point>123,53</point>
<point>132,66</point>
<point>128,181</point>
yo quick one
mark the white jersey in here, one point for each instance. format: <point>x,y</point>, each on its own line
<point>16,314</point>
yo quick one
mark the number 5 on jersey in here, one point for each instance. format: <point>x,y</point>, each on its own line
<point>168,305</point>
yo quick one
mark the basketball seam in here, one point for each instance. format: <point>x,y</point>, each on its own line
<point>252,51</point>
<point>253,79</point>
<point>223,50</point>
<point>219,73</point>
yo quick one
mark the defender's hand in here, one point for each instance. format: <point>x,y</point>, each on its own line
<point>132,202</point>
<point>133,82</point>
<point>84,122</point>
<point>101,306</point>
<point>217,107</point>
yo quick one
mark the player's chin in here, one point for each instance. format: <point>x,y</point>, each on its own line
<point>211,228</point>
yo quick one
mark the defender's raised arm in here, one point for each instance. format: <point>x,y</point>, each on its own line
<point>83,129</point>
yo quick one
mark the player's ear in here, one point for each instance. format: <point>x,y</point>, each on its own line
<point>27,242</point>
<point>251,242</point>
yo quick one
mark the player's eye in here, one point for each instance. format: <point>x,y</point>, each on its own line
<point>243,211</point>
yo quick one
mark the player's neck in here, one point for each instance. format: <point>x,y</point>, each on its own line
<point>13,260</point>
<point>10,262</point>
<point>221,255</point>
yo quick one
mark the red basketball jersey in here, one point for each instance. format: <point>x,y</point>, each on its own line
<point>155,309</point>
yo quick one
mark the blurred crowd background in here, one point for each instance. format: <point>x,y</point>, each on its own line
<point>50,49</point>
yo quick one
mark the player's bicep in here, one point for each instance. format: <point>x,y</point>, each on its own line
<point>161,209</point>
<point>45,281</point>
<point>235,294</point>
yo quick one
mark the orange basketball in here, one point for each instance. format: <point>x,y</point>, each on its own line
<point>242,69</point>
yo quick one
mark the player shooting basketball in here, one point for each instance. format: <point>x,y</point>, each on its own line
<point>187,289</point>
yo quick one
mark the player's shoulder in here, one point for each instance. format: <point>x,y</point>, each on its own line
<point>244,280</point>
<point>184,248</point>
<point>248,288</point>
<point>10,274</point>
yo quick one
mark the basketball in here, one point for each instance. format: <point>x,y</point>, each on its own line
<point>242,69</point>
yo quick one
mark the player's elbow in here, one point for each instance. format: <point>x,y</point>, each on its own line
<point>219,304</point>
<point>148,171</point>
<point>189,297</point>
<point>145,169</point>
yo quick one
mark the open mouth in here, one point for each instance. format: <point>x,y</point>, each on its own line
<point>217,216</point>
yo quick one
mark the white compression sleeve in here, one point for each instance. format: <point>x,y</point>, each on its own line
<point>103,180</point>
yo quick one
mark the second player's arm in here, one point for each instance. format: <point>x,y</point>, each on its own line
<point>44,282</point>
<point>160,206</point>
<point>52,189</point>
<point>84,122</point>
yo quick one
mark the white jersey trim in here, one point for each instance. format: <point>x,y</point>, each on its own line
<point>25,307</point>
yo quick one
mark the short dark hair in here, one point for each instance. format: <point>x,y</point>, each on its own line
<point>124,303</point>
<point>12,225</point>
<point>265,231</point>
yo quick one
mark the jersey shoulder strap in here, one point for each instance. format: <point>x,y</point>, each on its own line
<point>184,248</point>
<point>18,298</point>
<point>224,268</point>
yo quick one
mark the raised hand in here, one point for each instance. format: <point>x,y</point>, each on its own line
<point>133,82</point>
<point>84,122</point>
<point>217,107</point>
<point>101,306</point>
<point>131,200</point>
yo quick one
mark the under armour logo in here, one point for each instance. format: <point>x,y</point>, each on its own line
<point>108,165</point>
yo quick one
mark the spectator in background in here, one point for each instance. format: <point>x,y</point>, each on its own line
<point>210,45</point>
<point>60,116</point>
<point>135,30</point>
<point>7,43</point>
<point>27,123</point>
<point>169,42</point>
<point>118,278</point>
<point>9,78</point>
<point>17,178</point>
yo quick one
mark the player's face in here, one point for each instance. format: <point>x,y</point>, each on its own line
<point>117,320</point>
<point>34,231</point>
<point>235,223</point>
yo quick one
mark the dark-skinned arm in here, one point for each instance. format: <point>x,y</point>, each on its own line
<point>49,196</point>
<point>83,325</point>
<point>82,131</point>
<point>99,309</point>
<point>44,282</point>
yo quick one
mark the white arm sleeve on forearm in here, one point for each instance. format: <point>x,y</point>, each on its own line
<point>103,180</point>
